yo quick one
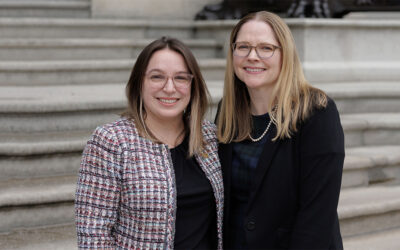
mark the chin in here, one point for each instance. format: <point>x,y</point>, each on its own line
<point>254,85</point>
<point>259,84</point>
<point>171,115</point>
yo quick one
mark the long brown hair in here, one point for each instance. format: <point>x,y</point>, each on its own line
<point>196,109</point>
<point>293,97</point>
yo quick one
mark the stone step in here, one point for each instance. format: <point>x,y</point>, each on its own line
<point>58,237</point>
<point>373,15</point>
<point>353,71</point>
<point>352,97</point>
<point>363,166</point>
<point>43,146</point>
<point>32,49</point>
<point>213,69</point>
<point>369,209</point>
<point>37,113</point>
<point>365,96</point>
<point>45,8</point>
<point>343,73</point>
<point>41,165</point>
<point>84,71</point>
<point>42,156</point>
<point>31,113</point>
<point>48,201</point>
<point>33,165</point>
<point>369,111</point>
<point>350,210</point>
<point>93,28</point>
<point>327,60</point>
<point>384,240</point>
<point>371,129</point>
<point>371,165</point>
<point>27,111</point>
<point>63,237</point>
<point>37,202</point>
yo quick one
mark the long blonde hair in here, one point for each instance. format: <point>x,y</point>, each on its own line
<point>293,97</point>
<point>197,107</point>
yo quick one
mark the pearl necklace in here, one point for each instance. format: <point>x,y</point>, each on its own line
<point>264,133</point>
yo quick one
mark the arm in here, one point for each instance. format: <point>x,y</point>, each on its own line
<point>97,194</point>
<point>321,163</point>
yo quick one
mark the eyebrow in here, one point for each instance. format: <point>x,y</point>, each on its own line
<point>161,71</point>
<point>256,43</point>
<point>156,70</point>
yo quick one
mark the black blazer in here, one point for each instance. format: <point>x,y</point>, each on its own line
<point>294,196</point>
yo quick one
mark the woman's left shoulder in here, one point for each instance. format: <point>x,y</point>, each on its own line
<point>327,116</point>
<point>323,131</point>
<point>209,130</point>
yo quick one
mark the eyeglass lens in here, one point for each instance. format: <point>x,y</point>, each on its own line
<point>181,80</point>
<point>263,50</point>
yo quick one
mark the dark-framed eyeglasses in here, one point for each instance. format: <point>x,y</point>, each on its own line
<point>181,80</point>
<point>263,50</point>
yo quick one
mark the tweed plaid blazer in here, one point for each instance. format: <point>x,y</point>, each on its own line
<point>126,192</point>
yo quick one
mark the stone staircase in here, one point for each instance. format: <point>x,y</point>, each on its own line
<point>45,8</point>
<point>61,77</point>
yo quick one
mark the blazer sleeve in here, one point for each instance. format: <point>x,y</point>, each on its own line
<point>98,191</point>
<point>321,166</point>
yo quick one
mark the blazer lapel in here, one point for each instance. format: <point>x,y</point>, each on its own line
<point>264,163</point>
<point>225,155</point>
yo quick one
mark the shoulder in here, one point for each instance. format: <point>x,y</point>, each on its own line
<point>323,130</point>
<point>325,114</point>
<point>115,131</point>
<point>120,125</point>
<point>209,131</point>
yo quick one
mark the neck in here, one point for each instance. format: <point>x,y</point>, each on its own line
<point>168,132</point>
<point>259,101</point>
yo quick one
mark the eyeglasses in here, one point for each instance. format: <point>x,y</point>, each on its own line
<point>263,50</point>
<point>180,80</point>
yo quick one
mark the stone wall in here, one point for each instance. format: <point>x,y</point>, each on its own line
<point>149,9</point>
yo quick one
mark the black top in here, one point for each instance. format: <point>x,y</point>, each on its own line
<point>196,212</point>
<point>245,157</point>
<point>295,189</point>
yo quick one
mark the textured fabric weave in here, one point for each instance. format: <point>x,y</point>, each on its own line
<point>126,192</point>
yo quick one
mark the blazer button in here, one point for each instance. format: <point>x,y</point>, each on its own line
<point>251,225</point>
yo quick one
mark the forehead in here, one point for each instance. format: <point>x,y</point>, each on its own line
<point>255,31</point>
<point>167,60</point>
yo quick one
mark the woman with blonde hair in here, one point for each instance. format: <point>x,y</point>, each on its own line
<point>282,145</point>
<point>152,179</point>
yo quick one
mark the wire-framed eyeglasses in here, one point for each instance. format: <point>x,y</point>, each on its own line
<point>263,50</point>
<point>181,80</point>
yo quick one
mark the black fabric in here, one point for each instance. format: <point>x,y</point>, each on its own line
<point>195,226</point>
<point>293,198</point>
<point>245,157</point>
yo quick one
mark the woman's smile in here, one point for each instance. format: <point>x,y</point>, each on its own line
<point>168,101</point>
<point>252,70</point>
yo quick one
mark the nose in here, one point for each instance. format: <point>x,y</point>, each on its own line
<point>253,54</point>
<point>169,85</point>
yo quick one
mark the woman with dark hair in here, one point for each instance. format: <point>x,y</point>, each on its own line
<point>152,179</point>
<point>282,145</point>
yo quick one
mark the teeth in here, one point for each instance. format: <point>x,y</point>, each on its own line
<point>168,100</point>
<point>254,70</point>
